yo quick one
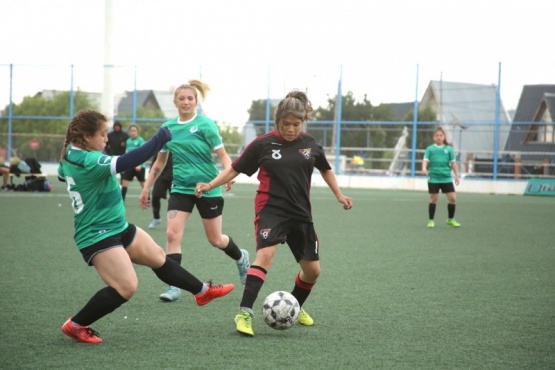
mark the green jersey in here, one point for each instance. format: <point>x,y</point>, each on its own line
<point>191,147</point>
<point>95,195</point>
<point>131,144</point>
<point>439,163</point>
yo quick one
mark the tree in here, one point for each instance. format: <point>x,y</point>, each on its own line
<point>427,122</point>
<point>45,119</point>
<point>257,115</point>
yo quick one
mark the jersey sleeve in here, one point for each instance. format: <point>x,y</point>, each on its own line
<point>451,154</point>
<point>427,153</point>
<point>99,164</point>
<point>212,135</point>
<point>320,160</point>
<point>247,162</point>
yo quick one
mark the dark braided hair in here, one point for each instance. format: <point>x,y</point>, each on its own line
<point>85,123</point>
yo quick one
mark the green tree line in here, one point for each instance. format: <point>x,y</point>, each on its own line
<point>46,120</point>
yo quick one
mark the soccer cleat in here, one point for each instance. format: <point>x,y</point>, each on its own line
<point>171,295</point>
<point>304,318</point>
<point>213,291</point>
<point>243,323</point>
<point>243,266</point>
<point>431,224</point>
<point>453,222</point>
<point>154,224</point>
<point>83,334</point>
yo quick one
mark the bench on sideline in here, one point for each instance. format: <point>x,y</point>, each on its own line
<point>26,175</point>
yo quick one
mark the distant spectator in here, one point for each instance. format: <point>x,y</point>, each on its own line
<point>357,163</point>
<point>133,142</point>
<point>5,171</point>
<point>116,140</point>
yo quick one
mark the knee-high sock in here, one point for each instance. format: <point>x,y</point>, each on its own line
<point>175,257</point>
<point>155,202</point>
<point>173,274</point>
<point>102,303</point>
<point>451,210</point>
<point>255,278</point>
<point>232,250</point>
<point>301,290</point>
<point>431,210</point>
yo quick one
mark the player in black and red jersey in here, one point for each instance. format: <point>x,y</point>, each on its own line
<point>285,160</point>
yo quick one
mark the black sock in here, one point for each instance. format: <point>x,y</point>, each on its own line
<point>431,210</point>
<point>102,303</point>
<point>232,250</point>
<point>123,191</point>
<point>255,278</point>
<point>175,257</point>
<point>173,274</point>
<point>301,290</point>
<point>155,203</point>
<point>451,210</point>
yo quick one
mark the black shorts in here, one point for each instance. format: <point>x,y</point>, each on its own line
<point>130,174</point>
<point>272,229</point>
<point>161,187</point>
<point>208,208</point>
<point>125,238</point>
<point>445,187</point>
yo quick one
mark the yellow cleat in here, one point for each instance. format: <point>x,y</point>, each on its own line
<point>453,222</point>
<point>304,318</point>
<point>243,323</point>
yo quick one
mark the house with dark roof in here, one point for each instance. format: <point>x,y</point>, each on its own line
<point>467,112</point>
<point>148,99</point>
<point>400,110</point>
<point>533,124</point>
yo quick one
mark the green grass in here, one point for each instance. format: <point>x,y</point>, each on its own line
<point>392,293</point>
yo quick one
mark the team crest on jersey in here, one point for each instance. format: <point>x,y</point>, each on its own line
<point>104,160</point>
<point>193,129</point>
<point>265,233</point>
<point>305,152</point>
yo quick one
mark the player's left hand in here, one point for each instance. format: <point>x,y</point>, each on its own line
<point>228,185</point>
<point>347,202</point>
<point>201,188</point>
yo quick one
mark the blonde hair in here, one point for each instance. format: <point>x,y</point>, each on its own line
<point>196,86</point>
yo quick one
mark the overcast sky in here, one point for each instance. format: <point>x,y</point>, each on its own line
<point>243,48</point>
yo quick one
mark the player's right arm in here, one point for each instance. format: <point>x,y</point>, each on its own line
<point>223,178</point>
<point>141,154</point>
<point>155,171</point>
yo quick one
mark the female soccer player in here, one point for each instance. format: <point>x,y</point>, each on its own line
<point>438,162</point>
<point>104,237</point>
<point>195,136</point>
<point>285,159</point>
<point>133,142</point>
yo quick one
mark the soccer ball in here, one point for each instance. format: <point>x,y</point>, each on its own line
<point>280,310</point>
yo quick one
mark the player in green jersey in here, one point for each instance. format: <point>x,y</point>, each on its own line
<point>439,161</point>
<point>195,136</point>
<point>133,142</point>
<point>104,237</point>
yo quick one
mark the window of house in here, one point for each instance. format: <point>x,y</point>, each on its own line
<point>541,133</point>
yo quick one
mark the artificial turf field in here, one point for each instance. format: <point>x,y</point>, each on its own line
<point>392,293</point>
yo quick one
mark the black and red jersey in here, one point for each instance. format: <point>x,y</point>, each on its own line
<point>284,171</point>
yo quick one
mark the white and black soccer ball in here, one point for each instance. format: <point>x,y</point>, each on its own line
<point>280,310</point>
